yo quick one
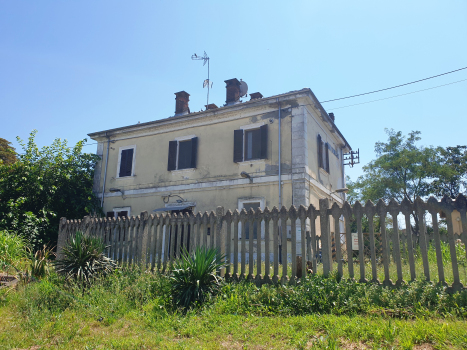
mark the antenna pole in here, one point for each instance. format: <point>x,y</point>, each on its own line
<point>205,59</point>
<point>209,83</point>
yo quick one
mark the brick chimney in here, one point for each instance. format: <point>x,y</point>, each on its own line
<point>181,103</point>
<point>331,115</point>
<point>232,91</point>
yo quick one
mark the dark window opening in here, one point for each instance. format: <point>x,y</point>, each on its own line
<point>252,147</point>
<point>183,154</point>
<point>126,162</point>
<point>251,144</point>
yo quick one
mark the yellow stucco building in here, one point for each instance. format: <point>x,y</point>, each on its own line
<point>274,151</point>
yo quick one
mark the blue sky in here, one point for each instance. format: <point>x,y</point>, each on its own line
<point>71,68</point>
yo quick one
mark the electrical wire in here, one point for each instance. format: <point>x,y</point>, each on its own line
<point>393,87</point>
<point>409,93</point>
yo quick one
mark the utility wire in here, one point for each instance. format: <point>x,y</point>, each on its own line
<point>393,87</point>
<point>387,98</point>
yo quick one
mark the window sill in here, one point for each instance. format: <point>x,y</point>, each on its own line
<point>247,162</point>
<point>324,172</point>
<point>182,171</point>
<point>125,177</point>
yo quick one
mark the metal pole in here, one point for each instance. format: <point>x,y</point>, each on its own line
<point>209,83</point>
<point>105,171</point>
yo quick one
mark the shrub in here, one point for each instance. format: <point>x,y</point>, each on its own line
<point>193,279</point>
<point>83,259</point>
<point>12,249</point>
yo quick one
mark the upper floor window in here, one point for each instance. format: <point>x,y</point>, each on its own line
<point>251,143</point>
<point>323,154</point>
<point>183,153</point>
<point>126,161</point>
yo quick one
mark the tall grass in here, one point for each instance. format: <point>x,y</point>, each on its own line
<point>12,250</point>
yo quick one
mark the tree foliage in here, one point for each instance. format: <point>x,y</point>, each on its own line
<point>44,185</point>
<point>7,152</point>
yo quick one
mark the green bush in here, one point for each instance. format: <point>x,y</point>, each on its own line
<point>83,259</point>
<point>194,278</point>
<point>12,249</point>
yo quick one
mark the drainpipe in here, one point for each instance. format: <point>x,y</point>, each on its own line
<point>105,171</point>
<point>280,183</point>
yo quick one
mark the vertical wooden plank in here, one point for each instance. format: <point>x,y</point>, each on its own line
<point>312,214</point>
<point>192,245</point>
<point>160,238</point>
<point>407,210</point>
<point>228,244</point>
<point>251,260</point>
<point>178,234</point>
<point>205,229</point>
<point>347,211</point>
<point>258,219</point>
<point>420,210</point>
<point>185,233</point>
<point>431,205</point>
<point>358,210</point>
<point>336,213</point>
<point>394,209</point>
<point>370,213</point>
<point>325,236</point>
<point>236,219</point>
<point>243,219</point>
<point>283,237</point>
<point>267,263</point>
<point>153,246</point>
<point>275,234</point>
<point>114,238</point>
<point>448,207</point>
<point>173,228</point>
<point>461,206</point>
<point>382,210</point>
<point>293,239</point>
<point>212,225</point>
<point>302,216</point>
<point>166,230</point>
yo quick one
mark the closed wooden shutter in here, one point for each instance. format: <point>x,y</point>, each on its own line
<point>126,162</point>
<point>172,163</point>
<point>320,152</point>
<point>194,151</point>
<point>326,153</point>
<point>264,142</point>
<point>238,146</point>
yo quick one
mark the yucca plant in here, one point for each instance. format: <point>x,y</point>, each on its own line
<point>83,259</point>
<point>194,279</point>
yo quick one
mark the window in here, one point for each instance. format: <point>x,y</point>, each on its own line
<point>119,212</point>
<point>183,153</point>
<point>250,143</point>
<point>323,154</point>
<point>126,161</point>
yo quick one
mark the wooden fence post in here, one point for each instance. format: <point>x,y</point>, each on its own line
<point>325,236</point>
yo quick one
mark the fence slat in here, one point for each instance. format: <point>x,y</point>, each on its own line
<point>303,239</point>
<point>382,211</point>
<point>251,222</point>
<point>347,211</point>
<point>267,267</point>
<point>407,210</point>
<point>283,216</point>
<point>228,243</point>
<point>258,219</point>
<point>235,243</point>
<point>420,210</point>
<point>336,213</point>
<point>358,210</point>
<point>293,239</point>
<point>275,237</point>
<point>394,209</point>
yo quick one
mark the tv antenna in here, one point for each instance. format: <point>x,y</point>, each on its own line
<point>206,82</point>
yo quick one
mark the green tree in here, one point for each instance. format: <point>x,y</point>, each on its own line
<point>7,152</point>
<point>401,170</point>
<point>451,177</point>
<point>44,185</point>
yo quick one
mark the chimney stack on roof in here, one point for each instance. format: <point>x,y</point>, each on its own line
<point>331,115</point>
<point>232,91</point>
<point>181,103</point>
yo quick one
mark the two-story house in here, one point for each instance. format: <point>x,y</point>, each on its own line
<point>274,151</point>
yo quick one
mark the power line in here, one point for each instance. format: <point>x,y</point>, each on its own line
<point>393,87</point>
<point>409,93</point>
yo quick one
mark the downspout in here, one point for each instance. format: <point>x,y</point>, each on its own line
<point>280,181</point>
<point>105,171</point>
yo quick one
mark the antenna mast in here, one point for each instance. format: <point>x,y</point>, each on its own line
<point>207,82</point>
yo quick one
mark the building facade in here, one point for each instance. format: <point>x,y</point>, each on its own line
<point>277,151</point>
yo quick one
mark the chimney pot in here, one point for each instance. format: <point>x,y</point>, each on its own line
<point>211,106</point>
<point>181,103</point>
<point>255,95</point>
<point>232,91</point>
<point>331,115</point>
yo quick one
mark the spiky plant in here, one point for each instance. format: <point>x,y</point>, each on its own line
<point>83,259</point>
<point>194,279</point>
